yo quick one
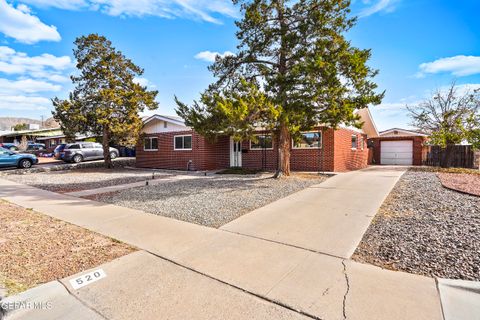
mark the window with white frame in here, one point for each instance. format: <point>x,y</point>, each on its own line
<point>308,140</point>
<point>362,142</point>
<point>183,142</point>
<point>354,141</point>
<point>150,144</point>
<point>263,142</point>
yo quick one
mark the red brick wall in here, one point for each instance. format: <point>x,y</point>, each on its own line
<point>204,155</point>
<point>417,148</point>
<point>336,154</point>
<point>300,159</point>
<point>346,158</point>
<point>165,157</point>
<point>216,155</point>
<point>259,159</point>
<point>315,159</point>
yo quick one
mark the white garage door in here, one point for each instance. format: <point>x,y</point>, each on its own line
<point>396,152</point>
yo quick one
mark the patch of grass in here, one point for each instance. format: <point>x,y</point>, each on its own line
<point>14,287</point>
<point>241,171</point>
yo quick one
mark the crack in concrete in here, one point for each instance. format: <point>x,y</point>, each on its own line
<point>81,301</point>
<point>347,281</point>
<point>325,292</point>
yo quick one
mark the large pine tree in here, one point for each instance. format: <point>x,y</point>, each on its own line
<point>294,70</point>
<point>106,100</point>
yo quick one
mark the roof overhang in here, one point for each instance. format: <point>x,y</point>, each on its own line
<point>369,126</point>
<point>34,133</point>
<point>405,131</point>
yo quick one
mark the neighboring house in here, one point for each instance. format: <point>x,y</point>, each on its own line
<point>398,147</point>
<point>50,137</point>
<point>53,141</point>
<point>32,135</point>
<point>168,144</point>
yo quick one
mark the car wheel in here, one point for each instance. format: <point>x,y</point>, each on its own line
<point>77,158</point>
<point>113,155</point>
<point>25,164</point>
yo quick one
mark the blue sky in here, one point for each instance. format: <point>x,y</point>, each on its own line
<point>418,46</point>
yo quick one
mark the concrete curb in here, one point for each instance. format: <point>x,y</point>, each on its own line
<point>460,299</point>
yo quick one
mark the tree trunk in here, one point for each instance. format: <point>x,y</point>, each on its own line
<point>283,152</point>
<point>106,149</point>
<point>284,134</point>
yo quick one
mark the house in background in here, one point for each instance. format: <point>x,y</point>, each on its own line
<point>168,144</point>
<point>398,147</point>
<point>31,135</point>
<point>51,137</point>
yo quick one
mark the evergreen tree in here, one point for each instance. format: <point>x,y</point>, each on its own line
<point>294,70</point>
<point>106,100</point>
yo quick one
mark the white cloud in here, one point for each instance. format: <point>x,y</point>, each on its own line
<point>144,82</point>
<point>11,87</point>
<point>459,66</point>
<point>20,102</point>
<point>44,66</point>
<point>60,4</point>
<point>205,10</point>
<point>20,24</point>
<point>210,56</point>
<point>378,6</point>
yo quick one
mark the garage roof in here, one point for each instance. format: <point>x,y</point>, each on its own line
<point>399,132</point>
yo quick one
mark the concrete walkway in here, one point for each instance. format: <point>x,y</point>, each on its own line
<point>316,285</point>
<point>329,218</point>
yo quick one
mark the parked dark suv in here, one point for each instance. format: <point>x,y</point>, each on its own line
<point>80,151</point>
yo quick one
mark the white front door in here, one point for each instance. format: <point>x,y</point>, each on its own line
<point>396,152</point>
<point>235,153</point>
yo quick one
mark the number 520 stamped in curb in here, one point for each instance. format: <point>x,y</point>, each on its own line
<point>87,278</point>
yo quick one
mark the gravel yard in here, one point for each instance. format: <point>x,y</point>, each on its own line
<point>35,248</point>
<point>81,179</point>
<point>425,229</point>
<point>210,201</point>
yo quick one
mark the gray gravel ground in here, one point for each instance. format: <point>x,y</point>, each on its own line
<point>81,179</point>
<point>425,229</point>
<point>211,201</point>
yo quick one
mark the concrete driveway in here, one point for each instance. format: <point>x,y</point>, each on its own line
<point>329,218</point>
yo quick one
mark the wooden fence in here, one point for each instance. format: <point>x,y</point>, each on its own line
<point>460,157</point>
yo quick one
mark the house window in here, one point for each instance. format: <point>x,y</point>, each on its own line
<point>183,142</point>
<point>308,140</point>
<point>354,142</point>
<point>150,144</point>
<point>263,142</point>
<point>165,124</point>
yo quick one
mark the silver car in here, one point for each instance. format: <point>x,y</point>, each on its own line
<point>80,151</point>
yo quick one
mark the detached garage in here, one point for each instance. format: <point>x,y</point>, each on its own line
<point>396,152</point>
<point>398,147</point>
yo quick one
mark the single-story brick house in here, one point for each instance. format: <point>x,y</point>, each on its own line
<point>398,146</point>
<point>168,144</point>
